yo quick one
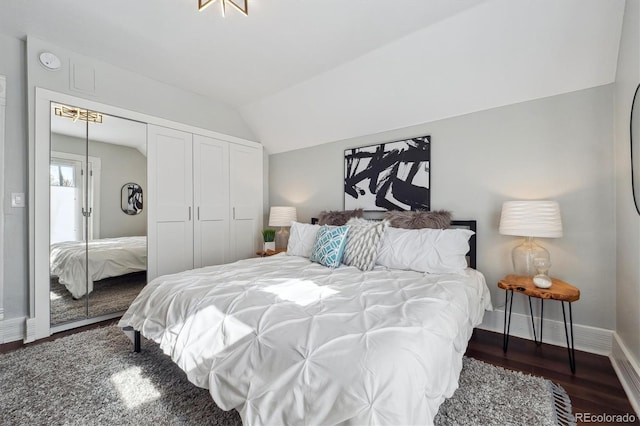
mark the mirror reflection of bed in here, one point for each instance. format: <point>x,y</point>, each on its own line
<point>111,295</point>
<point>98,246</point>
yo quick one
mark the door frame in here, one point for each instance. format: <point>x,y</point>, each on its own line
<point>38,325</point>
<point>3,106</point>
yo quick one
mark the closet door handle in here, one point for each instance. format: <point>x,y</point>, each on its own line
<point>198,212</point>
<point>234,213</point>
<point>189,213</point>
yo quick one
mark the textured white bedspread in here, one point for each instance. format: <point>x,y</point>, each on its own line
<point>289,342</point>
<point>108,257</point>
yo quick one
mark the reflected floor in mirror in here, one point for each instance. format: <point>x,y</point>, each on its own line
<point>109,295</point>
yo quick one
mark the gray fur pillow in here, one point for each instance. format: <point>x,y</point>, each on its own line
<point>439,219</point>
<point>363,241</point>
<point>338,218</point>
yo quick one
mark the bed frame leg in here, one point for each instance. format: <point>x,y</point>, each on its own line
<point>136,338</point>
<point>136,341</point>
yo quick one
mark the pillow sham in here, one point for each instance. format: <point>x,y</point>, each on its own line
<point>301,239</point>
<point>363,241</point>
<point>437,219</point>
<point>338,218</point>
<point>434,251</point>
<point>329,245</point>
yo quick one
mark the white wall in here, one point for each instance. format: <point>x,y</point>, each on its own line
<point>121,88</point>
<point>500,52</point>
<point>553,148</point>
<point>627,219</point>
<point>119,165</point>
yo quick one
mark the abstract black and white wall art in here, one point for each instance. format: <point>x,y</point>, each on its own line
<point>131,198</point>
<point>388,176</point>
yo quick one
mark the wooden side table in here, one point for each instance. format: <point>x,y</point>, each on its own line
<point>263,253</point>
<point>559,290</point>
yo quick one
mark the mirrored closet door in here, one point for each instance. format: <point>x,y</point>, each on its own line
<point>98,219</point>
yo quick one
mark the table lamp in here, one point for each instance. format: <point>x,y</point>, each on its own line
<point>282,216</point>
<point>530,219</point>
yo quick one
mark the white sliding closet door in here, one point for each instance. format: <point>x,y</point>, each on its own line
<point>246,200</point>
<point>170,214</point>
<point>211,201</point>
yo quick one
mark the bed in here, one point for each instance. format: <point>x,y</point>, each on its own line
<point>107,257</point>
<point>285,340</point>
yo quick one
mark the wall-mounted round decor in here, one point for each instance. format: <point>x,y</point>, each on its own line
<point>131,198</point>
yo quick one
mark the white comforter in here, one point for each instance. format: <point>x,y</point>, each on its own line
<point>289,342</point>
<point>108,257</point>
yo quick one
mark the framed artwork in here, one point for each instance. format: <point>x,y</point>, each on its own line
<point>131,198</point>
<point>388,176</point>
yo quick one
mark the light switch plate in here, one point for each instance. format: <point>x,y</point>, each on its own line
<point>17,199</point>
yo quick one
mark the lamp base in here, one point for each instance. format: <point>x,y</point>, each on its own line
<point>523,256</point>
<point>282,239</point>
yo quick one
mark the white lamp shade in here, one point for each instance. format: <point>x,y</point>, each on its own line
<point>531,219</point>
<point>282,216</point>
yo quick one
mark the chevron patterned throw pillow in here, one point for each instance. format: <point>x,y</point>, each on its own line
<point>363,241</point>
<point>329,245</point>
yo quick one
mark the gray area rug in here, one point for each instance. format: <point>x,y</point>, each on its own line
<point>93,378</point>
<point>109,295</point>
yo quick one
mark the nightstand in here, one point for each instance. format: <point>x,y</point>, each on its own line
<point>559,290</point>
<point>263,253</point>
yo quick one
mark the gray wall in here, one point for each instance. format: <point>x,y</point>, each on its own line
<point>119,165</point>
<point>14,171</point>
<point>627,219</point>
<point>121,88</point>
<point>556,148</point>
<point>114,86</point>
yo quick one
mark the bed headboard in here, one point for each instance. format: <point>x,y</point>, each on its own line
<point>472,225</point>
<point>465,224</point>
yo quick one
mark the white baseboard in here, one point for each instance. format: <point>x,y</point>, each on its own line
<point>589,339</point>
<point>30,332</point>
<point>628,371</point>
<point>13,329</point>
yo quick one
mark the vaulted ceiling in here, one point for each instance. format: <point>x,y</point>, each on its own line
<point>305,72</point>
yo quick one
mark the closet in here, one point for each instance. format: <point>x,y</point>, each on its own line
<point>195,194</point>
<point>205,200</point>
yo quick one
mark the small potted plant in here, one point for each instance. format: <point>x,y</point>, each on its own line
<point>269,236</point>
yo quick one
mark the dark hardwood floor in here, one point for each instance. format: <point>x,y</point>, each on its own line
<point>593,389</point>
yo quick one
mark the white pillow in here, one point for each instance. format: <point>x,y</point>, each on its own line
<point>301,239</point>
<point>436,251</point>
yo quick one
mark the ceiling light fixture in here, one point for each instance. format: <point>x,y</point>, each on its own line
<point>77,114</point>
<point>243,7</point>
